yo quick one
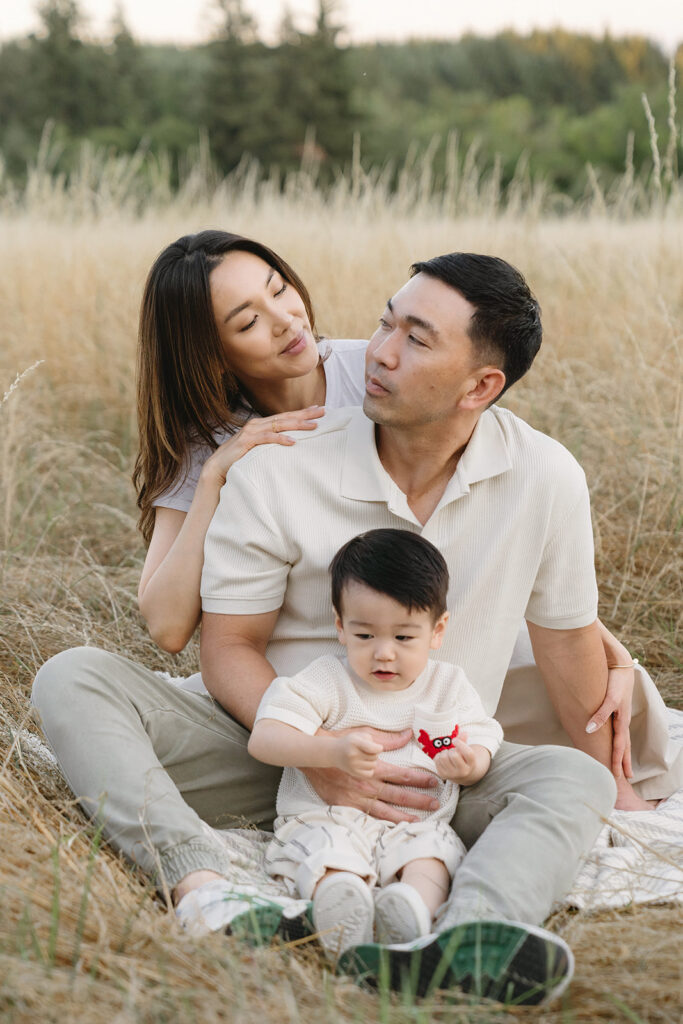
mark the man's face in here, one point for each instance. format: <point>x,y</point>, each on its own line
<point>420,360</point>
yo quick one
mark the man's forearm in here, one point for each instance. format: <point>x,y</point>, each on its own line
<point>237,677</point>
<point>234,666</point>
<point>574,669</point>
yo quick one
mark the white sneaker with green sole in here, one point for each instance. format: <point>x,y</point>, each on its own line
<point>515,964</point>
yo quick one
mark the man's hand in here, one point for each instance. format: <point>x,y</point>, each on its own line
<point>463,763</point>
<point>386,787</point>
<point>357,754</point>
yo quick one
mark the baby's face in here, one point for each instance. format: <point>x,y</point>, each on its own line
<point>387,645</point>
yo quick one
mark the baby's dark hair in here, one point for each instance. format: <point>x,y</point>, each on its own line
<point>398,563</point>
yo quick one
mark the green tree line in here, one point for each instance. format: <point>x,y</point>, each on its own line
<point>561,98</point>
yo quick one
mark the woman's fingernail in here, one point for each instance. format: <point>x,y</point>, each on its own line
<point>591,727</point>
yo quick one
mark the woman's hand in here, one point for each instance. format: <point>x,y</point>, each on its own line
<point>617,702</point>
<point>386,787</point>
<point>258,430</point>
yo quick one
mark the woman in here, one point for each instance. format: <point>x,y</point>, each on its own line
<point>213,381</point>
<point>229,359</point>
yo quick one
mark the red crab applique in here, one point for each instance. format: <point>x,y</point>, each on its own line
<point>432,747</point>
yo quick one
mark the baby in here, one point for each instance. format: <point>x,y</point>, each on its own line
<point>389,592</point>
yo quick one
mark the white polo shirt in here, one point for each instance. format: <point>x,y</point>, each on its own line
<point>513,525</point>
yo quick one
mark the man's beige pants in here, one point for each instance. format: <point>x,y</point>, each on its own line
<point>153,761</point>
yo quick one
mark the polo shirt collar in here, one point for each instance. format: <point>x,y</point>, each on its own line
<point>486,455</point>
<point>363,475</point>
<point>364,478</point>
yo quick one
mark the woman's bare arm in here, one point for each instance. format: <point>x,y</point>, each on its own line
<point>574,670</point>
<point>617,702</point>
<point>168,594</point>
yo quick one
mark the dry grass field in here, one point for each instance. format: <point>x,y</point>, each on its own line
<point>81,937</point>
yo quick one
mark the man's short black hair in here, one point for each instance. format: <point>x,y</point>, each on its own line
<point>398,563</point>
<point>506,325</point>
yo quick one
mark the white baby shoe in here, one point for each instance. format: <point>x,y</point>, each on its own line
<point>343,912</point>
<point>401,914</point>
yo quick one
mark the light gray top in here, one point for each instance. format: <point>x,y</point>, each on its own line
<point>344,366</point>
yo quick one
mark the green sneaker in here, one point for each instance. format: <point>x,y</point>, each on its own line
<point>515,964</point>
<point>262,922</point>
<point>298,926</point>
<point>218,907</point>
<point>257,925</point>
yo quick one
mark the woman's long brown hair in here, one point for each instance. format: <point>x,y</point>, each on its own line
<point>185,390</point>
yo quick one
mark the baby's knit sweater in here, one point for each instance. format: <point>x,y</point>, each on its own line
<point>328,694</point>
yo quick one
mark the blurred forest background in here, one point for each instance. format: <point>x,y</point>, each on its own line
<point>556,99</point>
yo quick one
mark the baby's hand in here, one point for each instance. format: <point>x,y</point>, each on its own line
<point>357,754</point>
<point>462,763</point>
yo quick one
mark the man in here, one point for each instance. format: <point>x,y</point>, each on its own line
<point>509,509</point>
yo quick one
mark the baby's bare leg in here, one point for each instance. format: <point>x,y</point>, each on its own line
<point>430,878</point>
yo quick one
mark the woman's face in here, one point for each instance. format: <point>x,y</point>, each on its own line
<point>261,320</point>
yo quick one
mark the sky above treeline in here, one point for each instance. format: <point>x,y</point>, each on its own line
<point>193,21</point>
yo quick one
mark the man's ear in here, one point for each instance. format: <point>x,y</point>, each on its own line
<point>339,626</point>
<point>487,384</point>
<point>439,632</point>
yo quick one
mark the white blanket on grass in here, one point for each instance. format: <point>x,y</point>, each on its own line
<point>638,856</point>
<point>637,859</point>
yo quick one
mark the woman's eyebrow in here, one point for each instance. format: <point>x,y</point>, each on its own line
<point>238,309</point>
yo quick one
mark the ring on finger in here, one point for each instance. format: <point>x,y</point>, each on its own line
<point>276,427</point>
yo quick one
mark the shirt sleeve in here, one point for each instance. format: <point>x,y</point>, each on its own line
<point>181,492</point>
<point>304,701</point>
<point>565,592</point>
<point>246,559</point>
